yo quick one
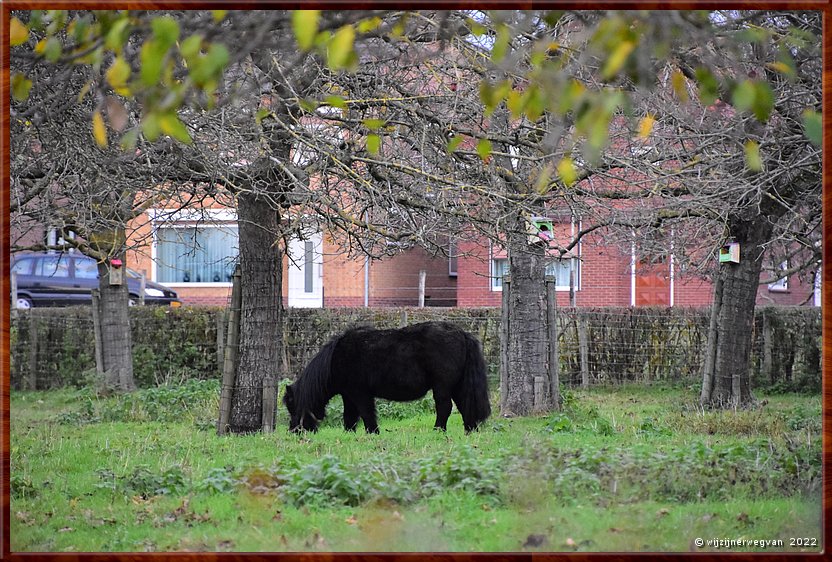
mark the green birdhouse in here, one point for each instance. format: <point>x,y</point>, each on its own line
<point>730,253</point>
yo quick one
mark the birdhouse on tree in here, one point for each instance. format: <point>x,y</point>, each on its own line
<point>730,253</point>
<point>541,230</point>
<point>116,272</point>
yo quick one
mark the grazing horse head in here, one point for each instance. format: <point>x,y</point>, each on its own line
<point>301,418</point>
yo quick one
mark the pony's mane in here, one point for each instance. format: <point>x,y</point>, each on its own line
<point>312,385</point>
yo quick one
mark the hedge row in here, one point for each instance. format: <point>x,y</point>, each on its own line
<point>622,344</point>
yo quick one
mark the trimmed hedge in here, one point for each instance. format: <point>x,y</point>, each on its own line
<point>624,344</point>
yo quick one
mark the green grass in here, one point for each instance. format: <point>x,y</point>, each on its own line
<point>620,469</point>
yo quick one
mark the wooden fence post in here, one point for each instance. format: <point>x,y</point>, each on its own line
<point>269,406</point>
<point>13,281</point>
<point>32,378</point>
<point>504,335</point>
<point>96,330</point>
<point>767,372</point>
<point>552,333</point>
<point>403,319</point>
<point>422,277</point>
<point>229,368</point>
<point>583,346</point>
<point>142,287</point>
<point>222,326</point>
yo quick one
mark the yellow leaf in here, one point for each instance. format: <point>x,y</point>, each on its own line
<point>305,26</point>
<point>617,59</point>
<point>752,156</point>
<point>219,15</point>
<point>679,86</point>
<point>18,32</point>
<point>341,47</point>
<point>118,73</point>
<point>99,131</point>
<point>645,127</point>
<point>567,172</point>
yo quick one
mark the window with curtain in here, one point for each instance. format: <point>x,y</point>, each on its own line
<point>559,268</point>
<point>203,254</point>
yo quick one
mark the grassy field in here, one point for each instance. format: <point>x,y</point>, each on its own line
<point>621,469</point>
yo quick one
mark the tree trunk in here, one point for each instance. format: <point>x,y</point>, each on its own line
<point>734,309</point>
<point>116,338</point>
<point>527,338</point>
<point>260,322</point>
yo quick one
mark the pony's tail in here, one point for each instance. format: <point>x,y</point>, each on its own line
<point>475,407</point>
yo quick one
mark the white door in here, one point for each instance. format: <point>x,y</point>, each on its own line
<point>306,272</point>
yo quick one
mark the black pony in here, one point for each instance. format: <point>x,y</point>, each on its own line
<point>364,363</point>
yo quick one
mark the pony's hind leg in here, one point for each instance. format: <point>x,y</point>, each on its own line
<point>443,409</point>
<point>366,407</point>
<point>350,414</point>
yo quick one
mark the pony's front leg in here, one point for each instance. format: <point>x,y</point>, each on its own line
<point>367,410</point>
<point>350,414</point>
<point>443,409</point>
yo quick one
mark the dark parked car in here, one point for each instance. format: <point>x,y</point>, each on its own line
<point>63,279</point>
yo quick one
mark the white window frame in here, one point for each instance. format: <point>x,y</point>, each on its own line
<point>781,285</point>
<point>188,218</point>
<point>495,279</point>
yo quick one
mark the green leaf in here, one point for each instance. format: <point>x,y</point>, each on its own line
<point>129,139</point>
<point>534,104</point>
<point>454,143</point>
<point>190,47</point>
<point>371,24</point>
<point>752,156</point>
<point>477,29</point>
<point>305,26</point>
<point>18,32</point>
<point>515,103</point>
<point>500,48</point>
<point>763,101</point>
<point>341,47</point>
<point>117,35</point>
<point>173,127</point>
<point>219,15</point>
<point>743,95</point>
<point>813,127</point>
<point>20,87</point>
<point>209,67</point>
<point>49,48</point>
<point>309,106</point>
<point>336,101</point>
<point>152,56</point>
<point>373,144</point>
<point>374,124</point>
<point>484,149</point>
<point>566,171</point>
<point>708,86</point>
<point>151,126</point>
<point>165,31</point>
<point>261,114</point>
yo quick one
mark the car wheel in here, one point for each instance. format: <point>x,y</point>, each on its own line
<point>23,303</point>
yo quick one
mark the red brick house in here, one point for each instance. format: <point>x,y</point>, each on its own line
<point>605,275</point>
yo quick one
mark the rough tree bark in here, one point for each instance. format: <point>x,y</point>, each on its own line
<point>728,384</point>
<point>261,266</point>
<point>116,338</point>
<point>527,347</point>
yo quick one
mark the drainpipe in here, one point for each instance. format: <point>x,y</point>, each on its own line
<point>366,281</point>
<point>633,274</point>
